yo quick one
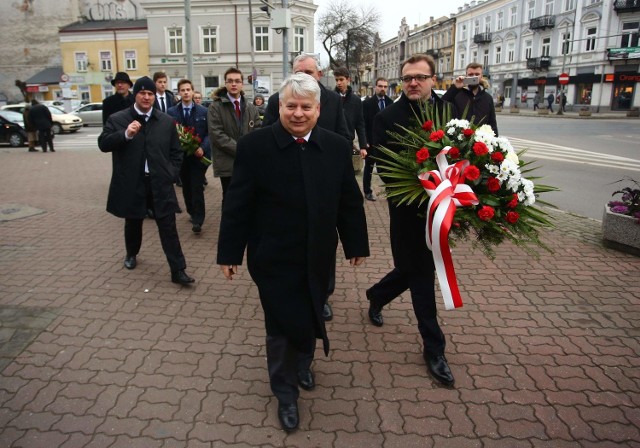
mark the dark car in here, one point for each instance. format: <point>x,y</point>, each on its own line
<point>12,133</point>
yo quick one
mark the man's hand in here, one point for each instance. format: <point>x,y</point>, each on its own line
<point>133,128</point>
<point>229,271</point>
<point>199,153</point>
<point>459,81</point>
<point>363,152</point>
<point>357,261</point>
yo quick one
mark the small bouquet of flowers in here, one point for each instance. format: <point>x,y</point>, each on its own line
<point>190,142</point>
<point>475,187</point>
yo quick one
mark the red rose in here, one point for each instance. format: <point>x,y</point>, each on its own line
<point>512,217</point>
<point>468,132</point>
<point>427,125</point>
<point>486,213</point>
<point>422,155</point>
<point>471,172</point>
<point>493,185</point>
<point>436,135</point>
<point>513,203</point>
<point>480,149</point>
<point>454,153</point>
<point>497,157</point>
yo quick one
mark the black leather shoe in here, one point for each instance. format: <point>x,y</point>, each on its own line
<point>369,197</point>
<point>327,312</point>
<point>375,312</point>
<point>130,262</point>
<point>181,277</point>
<point>439,369</point>
<point>306,380</point>
<point>288,416</point>
<point>197,228</point>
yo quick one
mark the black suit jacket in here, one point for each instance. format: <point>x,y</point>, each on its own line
<point>370,109</point>
<point>115,103</point>
<point>352,106</point>
<point>331,112</point>
<point>169,99</point>
<point>284,205</point>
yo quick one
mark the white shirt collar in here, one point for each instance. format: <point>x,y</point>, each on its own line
<point>148,114</point>
<point>305,137</point>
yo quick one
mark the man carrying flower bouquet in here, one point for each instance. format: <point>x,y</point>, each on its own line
<point>192,119</point>
<point>413,261</point>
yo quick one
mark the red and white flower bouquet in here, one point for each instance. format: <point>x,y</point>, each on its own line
<point>473,184</point>
<point>190,141</point>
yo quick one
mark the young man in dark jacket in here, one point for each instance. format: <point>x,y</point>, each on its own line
<point>352,105</point>
<point>190,114</point>
<point>479,101</point>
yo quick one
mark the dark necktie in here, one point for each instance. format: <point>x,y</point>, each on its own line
<point>238,113</point>
<point>381,103</point>
<point>186,113</point>
<point>300,140</point>
<point>162,105</point>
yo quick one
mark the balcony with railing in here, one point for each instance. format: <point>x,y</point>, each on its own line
<point>541,63</point>
<point>482,38</point>
<point>542,22</point>
<point>621,6</point>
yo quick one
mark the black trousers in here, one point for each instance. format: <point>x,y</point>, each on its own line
<point>166,229</point>
<point>192,176</point>
<point>45,138</point>
<point>369,163</point>
<point>225,181</point>
<point>283,363</point>
<point>423,298</point>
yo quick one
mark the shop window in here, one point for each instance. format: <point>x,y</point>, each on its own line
<point>622,96</point>
<point>583,93</point>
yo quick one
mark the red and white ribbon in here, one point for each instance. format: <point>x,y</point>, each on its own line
<point>447,191</point>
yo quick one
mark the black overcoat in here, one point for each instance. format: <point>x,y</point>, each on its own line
<point>370,109</point>
<point>284,205</point>
<point>158,144</point>
<point>407,222</point>
<point>115,103</point>
<point>479,107</point>
<point>40,116</point>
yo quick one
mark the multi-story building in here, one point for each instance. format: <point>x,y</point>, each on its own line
<point>221,37</point>
<point>93,51</point>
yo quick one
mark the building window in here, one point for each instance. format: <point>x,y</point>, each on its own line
<point>500,21</point>
<point>485,59</point>
<point>511,51</point>
<point>105,61</point>
<point>528,44</point>
<point>513,16</point>
<point>175,40</point>
<point>211,83</point>
<point>629,34</point>
<point>298,39</point>
<point>531,9</point>
<point>463,32</point>
<point>567,45</point>
<point>546,46</point>
<point>591,39</point>
<point>210,39</point>
<point>474,56</point>
<point>548,7</point>
<point>130,60</point>
<point>262,38</point>
<point>85,94</point>
<point>487,24</point>
<point>81,61</point>
<point>569,5</point>
<point>498,54</point>
<point>476,27</point>
<point>462,63</point>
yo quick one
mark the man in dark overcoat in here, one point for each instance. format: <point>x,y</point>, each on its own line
<point>370,108</point>
<point>413,261</point>
<point>146,157</point>
<point>121,99</point>
<point>293,185</point>
<point>40,117</point>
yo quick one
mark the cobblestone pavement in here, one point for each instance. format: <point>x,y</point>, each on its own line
<point>545,352</point>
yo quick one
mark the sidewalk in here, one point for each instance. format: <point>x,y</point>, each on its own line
<point>529,112</point>
<point>546,353</point>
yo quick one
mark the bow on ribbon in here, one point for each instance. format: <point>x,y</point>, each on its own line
<point>447,191</point>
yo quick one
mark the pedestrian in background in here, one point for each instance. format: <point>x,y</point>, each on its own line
<point>40,117</point>
<point>352,106</point>
<point>537,99</point>
<point>121,99</point>
<point>292,193</point>
<point>146,157</point>
<point>197,98</point>
<point>164,96</point>
<point>550,99</point>
<point>258,101</point>
<point>32,132</point>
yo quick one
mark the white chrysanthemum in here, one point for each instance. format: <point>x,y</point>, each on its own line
<point>504,144</point>
<point>485,129</point>
<point>451,131</point>
<point>460,137</point>
<point>513,183</point>
<point>512,157</point>
<point>487,139</point>
<point>493,169</point>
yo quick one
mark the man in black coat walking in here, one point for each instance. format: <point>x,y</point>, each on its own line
<point>40,117</point>
<point>146,157</point>
<point>413,261</point>
<point>293,186</point>
<point>474,96</point>
<point>352,105</point>
<point>121,99</point>
<point>370,108</point>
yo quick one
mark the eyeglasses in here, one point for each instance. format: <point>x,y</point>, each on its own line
<point>234,81</point>
<point>420,78</point>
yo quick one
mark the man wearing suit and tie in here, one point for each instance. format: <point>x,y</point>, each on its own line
<point>164,97</point>
<point>371,106</point>
<point>146,157</point>
<point>192,115</point>
<point>293,191</point>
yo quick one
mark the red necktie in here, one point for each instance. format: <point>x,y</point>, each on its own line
<point>238,113</point>
<point>301,140</point>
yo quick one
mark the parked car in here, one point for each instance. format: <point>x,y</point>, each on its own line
<point>91,114</point>
<point>262,90</point>
<point>14,117</point>
<point>61,122</point>
<point>11,133</point>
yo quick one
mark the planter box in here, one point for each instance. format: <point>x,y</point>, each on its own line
<point>514,110</point>
<point>621,232</point>
<point>584,113</point>
<point>633,112</point>
<point>543,111</point>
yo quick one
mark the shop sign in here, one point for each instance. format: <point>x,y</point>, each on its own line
<point>622,77</point>
<point>623,53</point>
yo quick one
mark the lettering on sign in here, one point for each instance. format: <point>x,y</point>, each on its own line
<point>112,10</point>
<point>631,78</point>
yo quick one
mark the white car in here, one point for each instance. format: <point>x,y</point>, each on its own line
<point>91,114</point>
<point>61,122</point>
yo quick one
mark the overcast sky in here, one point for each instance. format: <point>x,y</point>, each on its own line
<point>417,12</point>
